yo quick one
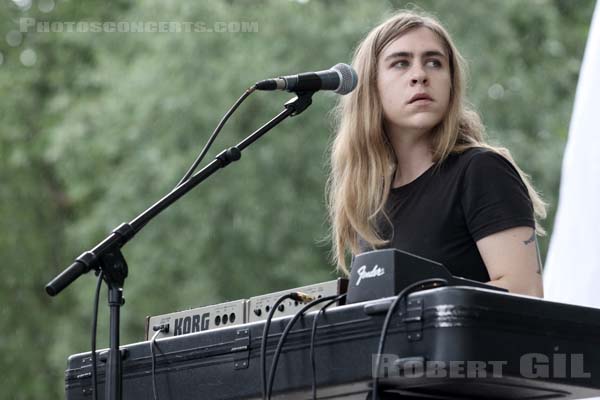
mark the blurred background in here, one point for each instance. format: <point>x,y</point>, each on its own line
<point>97,125</point>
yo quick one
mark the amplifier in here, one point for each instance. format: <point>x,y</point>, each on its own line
<point>197,319</point>
<point>237,312</point>
<point>259,306</point>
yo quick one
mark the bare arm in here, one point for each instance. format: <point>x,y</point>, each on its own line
<point>513,261</point>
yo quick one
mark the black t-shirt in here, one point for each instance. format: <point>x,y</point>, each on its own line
<point>441,214</point>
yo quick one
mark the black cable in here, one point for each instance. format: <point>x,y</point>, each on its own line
<point>403,293</point>
<point>213,136</point>
<point>94,330</point>
<point>284,335</point>
<point>152,354</point>
<point>313,334</point>
<point>263,344</point>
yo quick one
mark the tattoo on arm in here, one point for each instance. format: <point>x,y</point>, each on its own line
<point>532,239</point>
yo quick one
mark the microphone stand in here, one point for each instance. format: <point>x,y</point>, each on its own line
<point>107,256</point>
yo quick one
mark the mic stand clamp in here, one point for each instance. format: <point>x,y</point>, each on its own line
<point>299,103</point>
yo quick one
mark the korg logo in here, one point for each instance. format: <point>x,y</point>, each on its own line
<point>191,324</point>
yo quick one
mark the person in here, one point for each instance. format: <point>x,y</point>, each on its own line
<point>410,168</point>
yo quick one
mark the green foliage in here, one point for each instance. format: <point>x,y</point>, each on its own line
<point>103,124</point>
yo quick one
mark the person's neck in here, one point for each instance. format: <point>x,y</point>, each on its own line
<point>414,156</point>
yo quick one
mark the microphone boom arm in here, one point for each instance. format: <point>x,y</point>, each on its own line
<point>107,256</point>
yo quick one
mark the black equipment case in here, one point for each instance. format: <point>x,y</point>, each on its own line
<point>446,343</point>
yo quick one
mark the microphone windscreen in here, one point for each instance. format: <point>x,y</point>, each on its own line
<point>349,78</point>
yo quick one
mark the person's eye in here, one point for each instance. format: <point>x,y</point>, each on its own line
<point>434,63</point>
<point>401,64</point>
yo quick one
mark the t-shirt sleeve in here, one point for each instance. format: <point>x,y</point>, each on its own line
<point>494,197</point>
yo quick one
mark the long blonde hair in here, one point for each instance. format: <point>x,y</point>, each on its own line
<point>363,161</point>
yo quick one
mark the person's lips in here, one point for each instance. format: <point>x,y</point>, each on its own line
<point>420,96</point>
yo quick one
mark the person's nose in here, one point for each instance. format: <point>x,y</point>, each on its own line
<point>419,76</point>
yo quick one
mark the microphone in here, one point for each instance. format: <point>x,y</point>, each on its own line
<point>341,78</point>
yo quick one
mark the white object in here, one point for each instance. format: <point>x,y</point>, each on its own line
<point>572,271</point>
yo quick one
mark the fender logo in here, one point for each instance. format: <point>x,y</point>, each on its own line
<point>364,274</point>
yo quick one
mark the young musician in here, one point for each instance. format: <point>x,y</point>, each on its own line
<point>410,168</point>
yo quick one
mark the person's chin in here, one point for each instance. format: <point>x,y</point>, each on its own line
<point>424,121</point>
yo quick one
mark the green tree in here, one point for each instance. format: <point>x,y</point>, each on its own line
<point>35,71</point>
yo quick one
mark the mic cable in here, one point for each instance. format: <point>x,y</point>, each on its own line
<point>296,296</point>
<point>214,135</point>
<point>313,334</point>
<point>403,293</point>
<point>284,335</point>
<point>162,328</point>
<point>94,332</point>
